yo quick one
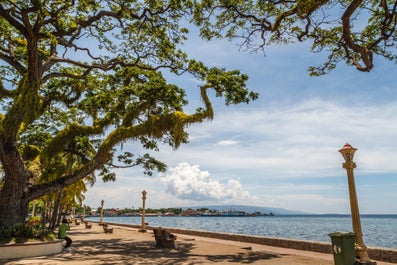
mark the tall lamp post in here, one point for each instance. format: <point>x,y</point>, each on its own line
<point>33,208</point>
<point>347,152</point>
<point>143,211</point>
<point>84,210</point>
<point>100,218</point>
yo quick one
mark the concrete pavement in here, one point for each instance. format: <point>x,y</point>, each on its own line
<point>129,246</point>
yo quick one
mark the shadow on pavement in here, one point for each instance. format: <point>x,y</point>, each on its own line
<point>131,251</point>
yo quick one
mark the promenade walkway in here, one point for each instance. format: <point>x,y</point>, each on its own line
<point>128,246</point>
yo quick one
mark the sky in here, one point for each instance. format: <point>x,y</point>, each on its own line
<point>281,150</point>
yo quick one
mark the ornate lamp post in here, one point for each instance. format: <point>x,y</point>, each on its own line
<point>84,210</point>
<point>347,152</point>
<point>100,218</point>
<point>33,208</point>
<point>143,211</point>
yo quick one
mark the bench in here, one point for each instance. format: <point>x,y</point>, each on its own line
<point>87,225</point>
<point>164,238</point>
<point>107,229</point>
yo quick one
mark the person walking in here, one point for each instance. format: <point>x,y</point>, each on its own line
<point>63,227</point>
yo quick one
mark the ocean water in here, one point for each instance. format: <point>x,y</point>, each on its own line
<point>378,230</point>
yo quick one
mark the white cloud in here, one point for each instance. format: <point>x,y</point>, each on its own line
<point>227,142</point>
<point>190,183</point>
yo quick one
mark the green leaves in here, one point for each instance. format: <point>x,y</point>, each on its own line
<point>228,84</point>
<point>22,232</point>
<point>231,85</point>
<point>345,31</point>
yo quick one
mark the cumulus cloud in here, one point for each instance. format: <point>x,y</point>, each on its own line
<point>227,143</point>
<point>190,183</point>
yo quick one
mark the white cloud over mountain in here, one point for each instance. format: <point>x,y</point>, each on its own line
<point>190,183</point>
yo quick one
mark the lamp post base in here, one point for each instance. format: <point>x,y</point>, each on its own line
<point>365,263</point>
<point>362,254</point>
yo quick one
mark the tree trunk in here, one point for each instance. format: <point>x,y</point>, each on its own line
<point>13,209</point>
<point>60,214</point>
<point>14,205</point>
<point>19,183</point>
<point>47,211</point>
<point>56,210</point>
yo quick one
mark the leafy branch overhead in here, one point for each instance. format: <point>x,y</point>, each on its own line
<point>351,31</point>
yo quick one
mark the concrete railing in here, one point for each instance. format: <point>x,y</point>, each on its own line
<point>375,253</point>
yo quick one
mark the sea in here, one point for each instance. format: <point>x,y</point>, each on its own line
<point>378,230</point>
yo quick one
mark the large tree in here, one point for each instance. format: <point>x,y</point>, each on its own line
<point>354,31</point>
<point>82,74</point>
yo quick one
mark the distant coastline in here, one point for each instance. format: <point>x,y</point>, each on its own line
<point>187,213</point>
<point>203,211</point>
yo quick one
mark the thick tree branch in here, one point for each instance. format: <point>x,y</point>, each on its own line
<point>4,92</point>
<point>365,53</point>
<point>12,62</point>
<point>6,14</point>
<point>38,190</point>
<point>153,127</point>
<point>64,137</point>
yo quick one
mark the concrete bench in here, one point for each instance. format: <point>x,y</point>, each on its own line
<point>87,225</point>
<point>107,229</point>
<point>164,238</point>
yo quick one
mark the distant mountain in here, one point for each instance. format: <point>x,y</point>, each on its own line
<point>248,209</point>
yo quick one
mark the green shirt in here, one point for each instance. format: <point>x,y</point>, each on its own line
<point>62,230</point>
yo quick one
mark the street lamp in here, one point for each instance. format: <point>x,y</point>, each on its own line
<point>143,211</point>
<point>347,152</point>
<point>84,211</point>
<point>100,219</point>
<point>33,208</point>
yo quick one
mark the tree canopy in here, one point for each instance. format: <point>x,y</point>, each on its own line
<point>354,32</point>
<point>79,78</point>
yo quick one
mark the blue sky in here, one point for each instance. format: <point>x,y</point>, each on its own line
<point>281,150</point>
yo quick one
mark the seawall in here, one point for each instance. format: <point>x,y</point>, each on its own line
<point>375,253</point>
